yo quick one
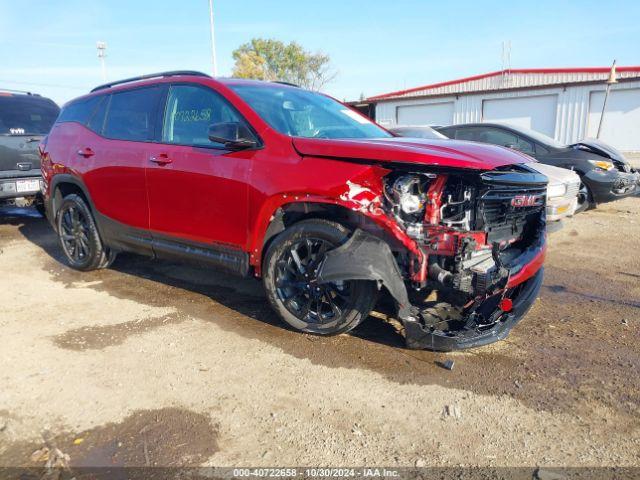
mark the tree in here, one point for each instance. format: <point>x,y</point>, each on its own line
<point>271,60</point>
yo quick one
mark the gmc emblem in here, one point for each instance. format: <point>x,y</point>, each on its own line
<point>526,201</point>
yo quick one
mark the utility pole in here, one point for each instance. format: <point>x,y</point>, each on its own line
<point>610,81</point>
<point>102,53</point>
<point>213,40</point>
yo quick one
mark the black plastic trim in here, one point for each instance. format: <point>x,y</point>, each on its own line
<point>172,73</point>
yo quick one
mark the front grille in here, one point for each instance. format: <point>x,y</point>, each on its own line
<point>572,190</point>
<point>506,212</point>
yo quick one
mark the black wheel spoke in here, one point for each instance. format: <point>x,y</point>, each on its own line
<point>297,287</point>
<point>74,233</point>
<point>334,308</point>
<point>296,258</point>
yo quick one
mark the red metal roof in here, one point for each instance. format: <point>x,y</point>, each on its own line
<point>504,72</point>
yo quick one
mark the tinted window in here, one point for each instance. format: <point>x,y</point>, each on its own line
<point>470,134</point>
<point>505,139</point>
<point>540,150</point>
<point>131,114</point>
<point>79,111</point>
<point>24,114</point>
<point>190,111</point>
<point>96,123</point>
<point>301,113</point>
<point>447,131</point>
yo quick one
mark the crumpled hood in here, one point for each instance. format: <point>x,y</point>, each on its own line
<point>601,148</point>
<point>444,153</point>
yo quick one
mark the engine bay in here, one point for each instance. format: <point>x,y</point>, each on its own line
<point>469,226</point>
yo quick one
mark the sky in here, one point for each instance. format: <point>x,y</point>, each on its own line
<point>376,46</point>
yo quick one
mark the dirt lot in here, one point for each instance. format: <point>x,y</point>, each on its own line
<point>153,363</point>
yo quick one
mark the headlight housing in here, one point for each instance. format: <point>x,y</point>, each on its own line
<point>406,194</point>
<point>603,165</point>
<point>556,190</point>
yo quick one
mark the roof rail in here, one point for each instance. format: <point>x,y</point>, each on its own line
<point>286,83</point>
<point>9,90</point>
<point>151,75</point>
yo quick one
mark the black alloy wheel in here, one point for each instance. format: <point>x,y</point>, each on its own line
<point>290,278</point>
<point>79,237</point>
<point>74,234</point>
<point>297,286</point>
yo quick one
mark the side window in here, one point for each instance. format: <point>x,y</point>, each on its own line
<point>448,132</point>
<point>540,150</point>
<point>190,111</point>
<point>470,134</point>
<point>96,122</point>
<point>79,111</point>
<point>131,115</point>
<point>506,139</point>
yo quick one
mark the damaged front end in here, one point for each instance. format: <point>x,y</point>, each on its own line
<point>467,263</point>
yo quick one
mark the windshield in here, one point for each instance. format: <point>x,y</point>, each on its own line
<point>541,137</point>
<point>301,113</point>
<point>26,115</point>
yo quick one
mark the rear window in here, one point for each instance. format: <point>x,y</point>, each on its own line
<point>26,115</point>
<point>79,111</point>
<point>131,115</point>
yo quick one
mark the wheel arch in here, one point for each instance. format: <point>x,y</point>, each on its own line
<point>290,213</point>
<point>63,185</point>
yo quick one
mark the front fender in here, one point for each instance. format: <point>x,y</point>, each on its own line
<point>361,194</point>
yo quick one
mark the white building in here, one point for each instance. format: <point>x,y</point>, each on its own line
<point>564,103</point>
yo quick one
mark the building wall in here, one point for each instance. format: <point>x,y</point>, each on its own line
<point>571,117</point>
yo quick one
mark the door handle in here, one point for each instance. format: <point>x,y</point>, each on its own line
<point>86,152</point>
<point>160,159</point>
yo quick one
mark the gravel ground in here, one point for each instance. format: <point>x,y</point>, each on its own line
<point>152,363</point>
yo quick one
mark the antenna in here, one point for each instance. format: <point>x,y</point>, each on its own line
<point>506,55</point>
<point>214,60</point>
<point>506,60</point>
<point>102,53</point>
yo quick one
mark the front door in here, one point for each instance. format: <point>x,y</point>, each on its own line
<point>197,189</point>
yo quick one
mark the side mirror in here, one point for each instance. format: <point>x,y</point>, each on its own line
<point>512,146</point>
<point>233,135</point>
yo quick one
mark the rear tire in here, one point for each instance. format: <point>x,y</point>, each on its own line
<point>289,277</point>
<point>79,237</point>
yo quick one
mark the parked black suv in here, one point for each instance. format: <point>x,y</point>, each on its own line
<point>25,118</point>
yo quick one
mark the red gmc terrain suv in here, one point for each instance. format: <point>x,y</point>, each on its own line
<point>273,181</point>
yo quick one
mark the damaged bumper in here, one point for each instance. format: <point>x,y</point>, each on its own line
<point>486,320</point>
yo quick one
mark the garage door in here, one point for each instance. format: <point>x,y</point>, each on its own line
<point>537,113</point>
<point>621,124</point>
<point>426,114</point>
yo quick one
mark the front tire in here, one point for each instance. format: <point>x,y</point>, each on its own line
<point>585,199</point>
<point>79,237</point>
<point>289,277</point>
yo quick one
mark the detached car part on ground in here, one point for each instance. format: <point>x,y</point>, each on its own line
<point>328,208</point>
<point>562,190</point>
<point>24,120</point>
<point>606,174</point>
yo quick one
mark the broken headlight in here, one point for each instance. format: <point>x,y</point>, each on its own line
<point>407,195</point>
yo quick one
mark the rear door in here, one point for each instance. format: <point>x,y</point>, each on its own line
<point>112,156</point>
